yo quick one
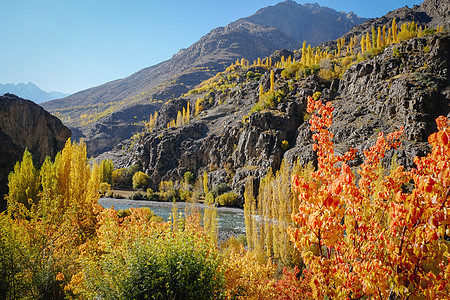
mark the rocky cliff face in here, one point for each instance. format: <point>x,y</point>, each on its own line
<point>407,85</point>
<point>25,125</point>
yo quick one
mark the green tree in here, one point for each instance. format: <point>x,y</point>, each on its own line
<point>189,177</point>
<point>140,180</point>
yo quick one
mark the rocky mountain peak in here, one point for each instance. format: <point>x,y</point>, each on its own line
<point>310,22</point>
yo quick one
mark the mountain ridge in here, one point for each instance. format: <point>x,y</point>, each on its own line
<point>169,79</point>
<point>30,91</point>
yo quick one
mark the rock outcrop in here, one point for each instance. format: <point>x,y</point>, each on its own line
<point>26,125</point>
<point>407,85</point>
<point>439,10</point>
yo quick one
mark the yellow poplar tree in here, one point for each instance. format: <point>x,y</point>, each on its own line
<point>394,31</point>
<point>272,80</point>
<point>261,91</point>
<point>374,37</point>
<point>205,182</point>
<point>303,59</point>
<point>179,119</point>
<point>379,37</point>
<point>368,44</point>
<point>23,183</point>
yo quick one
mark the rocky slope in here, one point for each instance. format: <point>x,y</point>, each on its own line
<point>439,10</point>
<point>406,85</point>
<point>25,125</point>
<point>283,26</point>
<point>430,13</point>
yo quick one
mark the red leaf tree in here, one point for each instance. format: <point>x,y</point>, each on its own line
<point>382,236</point>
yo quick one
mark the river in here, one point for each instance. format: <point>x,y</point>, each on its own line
<point>230,220</point>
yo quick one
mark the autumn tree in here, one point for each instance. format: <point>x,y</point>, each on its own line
<point>106,168</point>
<point>205,182</point>
<point>363,43</point>
<point>140,180</point>
<point>50,230</point>
<point>374,37</point>
<point>303,58</point>
<point>394,30</point>
<point>210,220</point>
<point>272,80</point>
<point>23,184</point>
<point>150,125</point>
<point>373,237</point>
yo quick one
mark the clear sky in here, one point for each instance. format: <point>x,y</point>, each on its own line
<point>71,45</point>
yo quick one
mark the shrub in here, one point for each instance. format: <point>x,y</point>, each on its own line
<point>146,260</point>
<point>154,197</point>
<point>121,179</point>
<point>392,236</point>
<point>284,145</point>
<point>228,199</point>
<point>185,195</point>
<point>140,180</point>
<point>220,189</point>
<point>104,188</point>
<point>138,196</point>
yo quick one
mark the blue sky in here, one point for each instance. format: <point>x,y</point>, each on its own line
<point>71,45</point>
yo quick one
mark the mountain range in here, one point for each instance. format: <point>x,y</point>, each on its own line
<point>110,108</point>
<point>30,91</point>
<point>111,113</point>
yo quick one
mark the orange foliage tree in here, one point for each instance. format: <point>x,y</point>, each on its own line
<point>382,236</point>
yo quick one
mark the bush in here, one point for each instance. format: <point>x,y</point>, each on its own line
<point>228,199</point>
<point>396,53</point>
<point>104,188</point>
<point>140,180</point>
<point>152,261</point>
<point>138,196</point>
<point>220,189</point>
<point>121,179</point>
<point>185,195</point>
<point>154,197</point>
